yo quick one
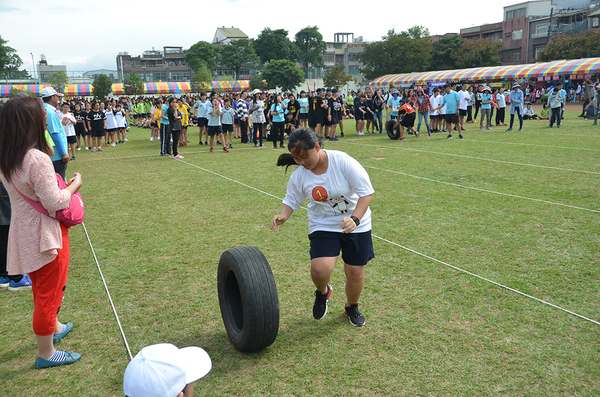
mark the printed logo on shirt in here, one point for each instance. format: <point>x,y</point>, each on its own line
<point>319,194</point>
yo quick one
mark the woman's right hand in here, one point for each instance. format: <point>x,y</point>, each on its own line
<point>75,182</point>
<point>277,220</point>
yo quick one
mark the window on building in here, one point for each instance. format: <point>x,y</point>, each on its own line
<point>339,59</point>
<point>518,13</point>
<point>537,52</point>
<point>339,46</point>
<point>353,71</point>
<point>516,56</point>
<point>517,34</point>
<point>352,58</point>
<point>180,76</point>
<point>595,22</point>
<point>328,58</point>
<point>542,29</point>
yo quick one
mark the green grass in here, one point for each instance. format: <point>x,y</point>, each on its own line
<point>159,227</point>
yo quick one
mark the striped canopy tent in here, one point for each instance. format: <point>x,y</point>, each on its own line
<point>555,68</point>
<point>35,88</point>
<point>78,90</point>
<point>168,88</point>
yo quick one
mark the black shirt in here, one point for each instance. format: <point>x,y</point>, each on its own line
<point>338,107</point>
<point>80,127</point>
<point>377,103</point>
<point>293,107</point>
<point>314,106</point>
<point>96,120</point>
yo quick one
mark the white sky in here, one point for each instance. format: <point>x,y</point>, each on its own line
<point>86,35</point>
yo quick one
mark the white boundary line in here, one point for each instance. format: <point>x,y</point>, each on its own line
<point>416,252</point>
<point>533,144</point>
<point>108,293</point>
<point>476,158</point>
<point>483,190</point>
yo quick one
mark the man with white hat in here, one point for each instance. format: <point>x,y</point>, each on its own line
<point>516,106</point>
<point>163,370</point>
<point>56,130</point>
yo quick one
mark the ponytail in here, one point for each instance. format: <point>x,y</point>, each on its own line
<point>303,139</point>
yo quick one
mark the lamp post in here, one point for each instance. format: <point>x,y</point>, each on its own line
<point>32,64</point>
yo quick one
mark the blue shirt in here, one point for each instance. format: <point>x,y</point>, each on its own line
<point>277,118</point>
<point>202,113</point>
<point>486,97</point>
<point>165,119</point>
<point>57,132</point>
<point>228,115</point>
<point>303,102</point>
<point>451,101</point>
<point>395,104</point>
<point>215,120</point>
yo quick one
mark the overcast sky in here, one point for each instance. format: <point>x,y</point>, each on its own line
<point>85,35</point>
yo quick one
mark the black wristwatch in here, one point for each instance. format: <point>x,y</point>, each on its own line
<point>355,219</point>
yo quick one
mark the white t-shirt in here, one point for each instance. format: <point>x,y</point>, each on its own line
<point>440,100</point>
<point>111,122</point>
<point>464,99</point>
<point>434,103</point>
<point>70,127</point>
<point>119,119</point>
<point>332,195</point>
<point>501,100</point>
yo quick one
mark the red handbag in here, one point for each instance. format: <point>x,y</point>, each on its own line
<point>70,216</point>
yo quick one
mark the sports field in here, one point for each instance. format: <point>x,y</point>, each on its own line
<point>518,209</point>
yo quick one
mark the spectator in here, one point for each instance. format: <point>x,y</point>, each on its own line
<point>56,130</point>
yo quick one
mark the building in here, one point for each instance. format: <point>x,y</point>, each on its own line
<point>45,71</point>
<point>490,31</point>
<point>154,65</point>
<point>224,36</point>
<point>343,50</point>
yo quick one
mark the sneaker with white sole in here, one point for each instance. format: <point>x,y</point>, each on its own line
<point>354,315</point>
<point>25,283</point>
<point>321,300</point>
<point>4,282</point>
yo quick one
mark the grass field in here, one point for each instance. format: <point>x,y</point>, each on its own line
<point>520,209</point>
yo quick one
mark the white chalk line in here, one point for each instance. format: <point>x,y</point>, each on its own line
<point>108,293</point>
<point>103,158</point>
<point>483,190</point>
<point>533,144</point>
<point>413,251</point>
<point>478,158</point>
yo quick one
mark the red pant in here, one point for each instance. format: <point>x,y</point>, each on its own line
<point>48,285</point>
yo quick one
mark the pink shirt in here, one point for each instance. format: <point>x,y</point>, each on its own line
<point>34,238</point>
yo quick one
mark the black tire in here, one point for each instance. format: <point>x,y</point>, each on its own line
<point>393,133</point>
<point>248,298</point>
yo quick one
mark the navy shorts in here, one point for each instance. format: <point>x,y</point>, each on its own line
<point>236,121</point>
<point>227,127</point>
<point>303,116</point>
<point>202,122</point>
<point>462,112</point>
<point>214,130</point>
<point>314,120</point>
<point>97,134</point>
<point>357,248</point>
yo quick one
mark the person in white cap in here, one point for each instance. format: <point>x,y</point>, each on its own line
<point>56,130</point>
<point>163,370</point>
<point>516,107</point>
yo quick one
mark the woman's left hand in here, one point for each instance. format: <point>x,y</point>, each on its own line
<point>348,225</point>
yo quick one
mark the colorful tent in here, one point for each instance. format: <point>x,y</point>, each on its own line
<point>159,88</point>
<point>575,68</point>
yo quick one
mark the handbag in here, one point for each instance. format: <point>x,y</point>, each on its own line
<point>70,216</point>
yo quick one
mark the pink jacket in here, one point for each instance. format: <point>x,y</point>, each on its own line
<point>34,238</point>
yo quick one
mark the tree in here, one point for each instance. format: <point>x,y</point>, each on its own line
<point>202,78</point>
<point>14,91</point>
<point>336,77</point>
<point>442,51</point>
<point>133,84</point>
<point>476,53</point>
<point>416,32</point>
<point>283,74</point>
<point>274,44</point>
<point>396,53</point>
<point>310,46</point>
<point>202,53</point>
<point>237,55</point>
<point>10,61</point>
<point>582,45</point>
<point>258,82</point>
<point>58,80</point>
<point>102,86</point>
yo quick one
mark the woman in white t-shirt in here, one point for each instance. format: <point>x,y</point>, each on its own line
<point>339,190</point>
<point>68,121</point>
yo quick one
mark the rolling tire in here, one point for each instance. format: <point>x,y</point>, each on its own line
<point>248,298</point>
<point>393,133</point>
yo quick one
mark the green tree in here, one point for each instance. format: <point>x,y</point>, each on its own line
<point>582,45</point>
<point>416,32</point>
<point>476,53</point>
<point>283,74</point>
<point>274,44</point>
<point>10,61</point>
<point>396,53</point>
<point>310,46</point>
<point>238,54</point>
<point>336,77</point>
<point>202,78</point>
<point>102,86</point>
<point>257,81</point>
<point>133,84</point>
<point>58,80</point>
<point>14,91</point>
<point>442,52</point>
<point>202,53</point>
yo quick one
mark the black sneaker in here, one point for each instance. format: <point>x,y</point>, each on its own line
<point>354,315</point>
<point>342,134</point>
<point>200,143</point>
<point>460,136</point>
<point>449,136</point>
<point>320,306</point>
